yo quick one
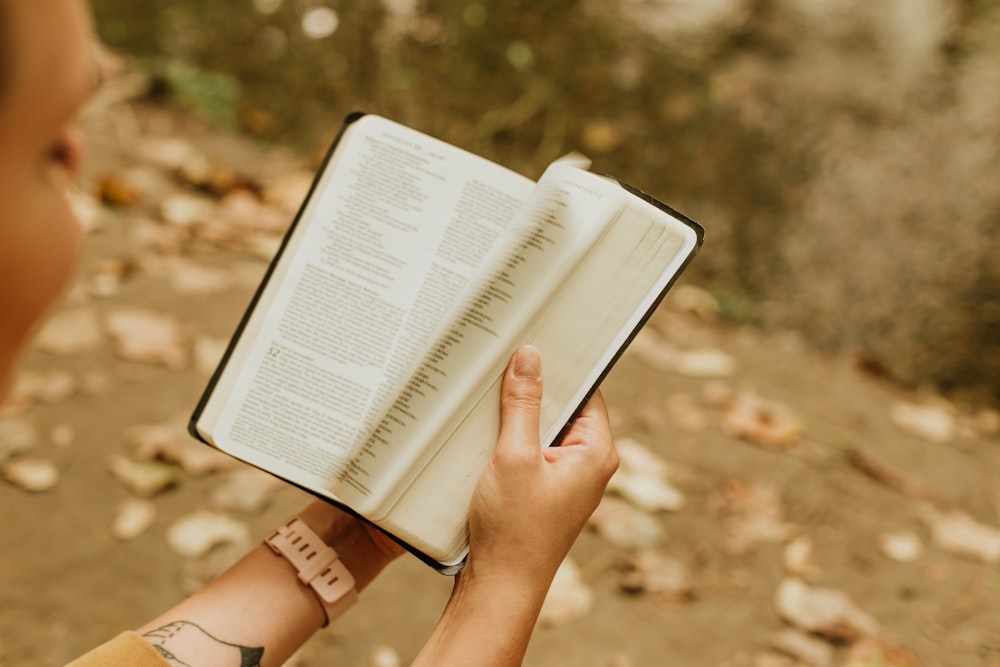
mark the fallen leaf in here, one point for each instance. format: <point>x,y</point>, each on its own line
<point>750,513</point>
<point>44,386</point>
<point>960,534</point>
<point>902,546</point>
<point>148,337</point>
<point>810,650</point>
<point>133,517</point>
<point>651,348</point>
<point>647,492</point>
<point>624,526</point>
<point>242,210</point>
<point>168,441</point>
<point>656,574</point>
<point>635,457</point>
<point>169,153</point>
<point>31,474</point>
<point>934,422</point>
<point>185,210</point>
<point>568,599</point>
<point>71,333</point>
<point>706,362</point>
<point>798,558</point>
<point>823,611</point>
<point>695,300</point>
<point>874,653</point>
<point>685,412</point>
<point>248,490</point>
<point>144,478</point>
<point>717,394</point>
<point>195,534</point>
<point>763,422</point>
<point>116,190</point>
<point>187,277</point>
<point>107,279</point>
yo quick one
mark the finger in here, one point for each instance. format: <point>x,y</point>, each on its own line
<point>591,424</point>
<point>520,404</point>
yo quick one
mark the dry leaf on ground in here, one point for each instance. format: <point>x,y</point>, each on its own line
<point>685,412</point>
<point>624,526</point>
<point>651,348</point>
<point>751,513</point>
<point>133,517</point>
<point>764,422</point>
<point>170,442</point>
<point>647,492</point>
<point>247,490</point>
<point>31,474</point>
<point>656,574</point>
<point>568,599</point>
<point>186,210</point>
<point>705,362</point>
<point>960,534</point>
<point>71,332</point>
<point>144,478</point>
<point>874,653</point>
<point>44,386</point>
<point>807,648</point>
<point>824,611</point>
<point>934,422</point>
<point>799,558</point>
<point>902,546</point>
<point>194,535</point>
<point>148,337</point>
<point>635,457</point>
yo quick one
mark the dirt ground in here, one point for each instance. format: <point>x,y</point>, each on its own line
<point>807,493</point>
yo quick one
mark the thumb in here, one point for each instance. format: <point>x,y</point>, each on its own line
<point>521,403</point>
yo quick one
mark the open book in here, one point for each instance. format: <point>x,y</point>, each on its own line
<point>367,367</point>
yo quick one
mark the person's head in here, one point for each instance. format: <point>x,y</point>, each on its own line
<point>46,74</point>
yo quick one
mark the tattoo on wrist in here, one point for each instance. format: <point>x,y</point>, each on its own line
<point>186,644</point>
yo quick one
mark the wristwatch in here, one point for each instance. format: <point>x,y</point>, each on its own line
<point>317,564</point>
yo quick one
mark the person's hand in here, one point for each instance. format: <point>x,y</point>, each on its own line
<point>531,503</point>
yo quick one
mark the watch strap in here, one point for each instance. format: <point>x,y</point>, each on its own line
<point>317,564</point>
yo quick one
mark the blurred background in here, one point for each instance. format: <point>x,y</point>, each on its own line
<point>808,425</point>
<point>842,154</point>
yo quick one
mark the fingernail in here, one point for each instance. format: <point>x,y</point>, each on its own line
<point>527,363</point>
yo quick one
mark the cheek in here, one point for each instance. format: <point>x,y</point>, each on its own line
<point>39,247</point>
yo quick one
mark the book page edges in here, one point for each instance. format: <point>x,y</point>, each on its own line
<point>206,412</point>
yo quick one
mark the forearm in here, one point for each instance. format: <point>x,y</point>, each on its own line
<point>486,623</point>
<point>258,607</point>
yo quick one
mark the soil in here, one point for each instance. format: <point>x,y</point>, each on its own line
<point>68,584</point>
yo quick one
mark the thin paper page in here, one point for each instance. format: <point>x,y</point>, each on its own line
<point>565,216</point>
<point>362,294</point>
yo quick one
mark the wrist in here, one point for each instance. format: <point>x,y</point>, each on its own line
<point>363,550</point>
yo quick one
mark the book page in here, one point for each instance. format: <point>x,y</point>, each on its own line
<point>559,224</point>
<point>579,332</point>
<point>396,229</point>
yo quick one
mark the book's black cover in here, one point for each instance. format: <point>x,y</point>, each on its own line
<point>210,388</point>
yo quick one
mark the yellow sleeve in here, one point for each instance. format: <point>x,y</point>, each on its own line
<point>126,650</point>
